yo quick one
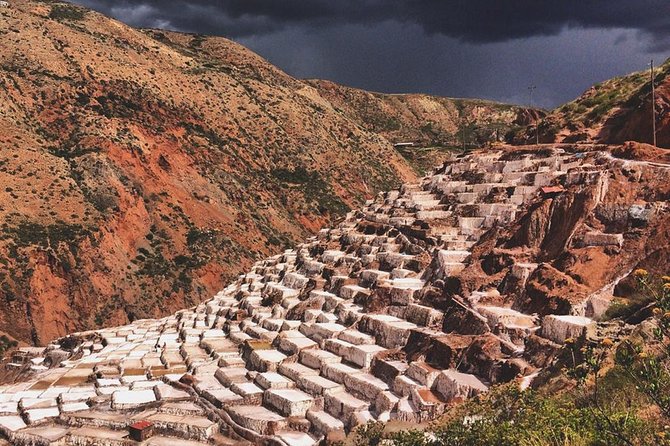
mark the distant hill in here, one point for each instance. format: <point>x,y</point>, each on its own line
<point>140,170</point>
<point>432,122</point>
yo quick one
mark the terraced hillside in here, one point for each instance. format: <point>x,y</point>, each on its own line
<point>141,170</point>
<point>473,276</point>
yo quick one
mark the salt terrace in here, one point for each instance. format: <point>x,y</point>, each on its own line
<point>296,349</point>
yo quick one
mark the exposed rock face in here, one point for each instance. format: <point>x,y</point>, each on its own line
<point>297,349</point>
<point>549,290</point>
<point>142,170</point>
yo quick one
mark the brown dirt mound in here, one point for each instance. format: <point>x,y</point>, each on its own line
<point>632,150</point>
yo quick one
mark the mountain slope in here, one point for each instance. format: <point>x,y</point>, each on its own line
<point>435,124</point>
<point>141,170</point>
<point>611,112</point>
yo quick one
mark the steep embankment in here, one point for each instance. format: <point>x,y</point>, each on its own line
<point>611,112</point>
<point>141,170</point>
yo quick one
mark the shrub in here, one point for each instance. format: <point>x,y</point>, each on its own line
<point>6,344</point>
<point>315,189</point>
<point>63,12</point>
<point>648,365</point>
<point>508,416</point>
<point>299,175</point>
<point>30,233</point>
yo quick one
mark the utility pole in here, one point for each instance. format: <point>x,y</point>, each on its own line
<point>530,106</point>
<point>463,135</point>
<point>653,104</point>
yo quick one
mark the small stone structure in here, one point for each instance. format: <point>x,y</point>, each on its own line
<point>595,238</point>
<point>141,430</point>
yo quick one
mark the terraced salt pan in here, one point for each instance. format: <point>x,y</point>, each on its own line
<point>291,350</point>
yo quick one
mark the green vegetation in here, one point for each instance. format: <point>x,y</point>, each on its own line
<point>594,107</point>
<point>113,105</point>
<point>299,175</point>
<point>154,264</point>
<point>70,153</point>
<point>109,306</point>
<point>197,41</point>
<point>220,143</point>
<point>623,308</point>
<point>424,159</point>
<point>6,344</point>
<point>642,365</point>
<point>198,236</point>
<point>29,233</point>
<point>622,396</point>
<point>389,124</point>
<point>507,416</point>
<point>315,189</point>
<point>66,12</point>
<point>607,96</point>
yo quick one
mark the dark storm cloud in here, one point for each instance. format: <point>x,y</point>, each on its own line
<point>467,20</point>
<point>496,20</point>
<point>491,49</point>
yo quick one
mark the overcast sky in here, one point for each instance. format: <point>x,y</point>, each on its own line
<point>490,49</point>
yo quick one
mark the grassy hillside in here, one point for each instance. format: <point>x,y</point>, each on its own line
<point>611,112</point>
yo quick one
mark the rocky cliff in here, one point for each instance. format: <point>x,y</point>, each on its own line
<point>142,170</point>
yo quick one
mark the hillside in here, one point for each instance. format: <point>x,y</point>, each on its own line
<point>142,170</point>
<point>611,112</point>
<point>435,125</point>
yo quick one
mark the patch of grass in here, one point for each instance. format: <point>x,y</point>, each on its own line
<point>625,308</point>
